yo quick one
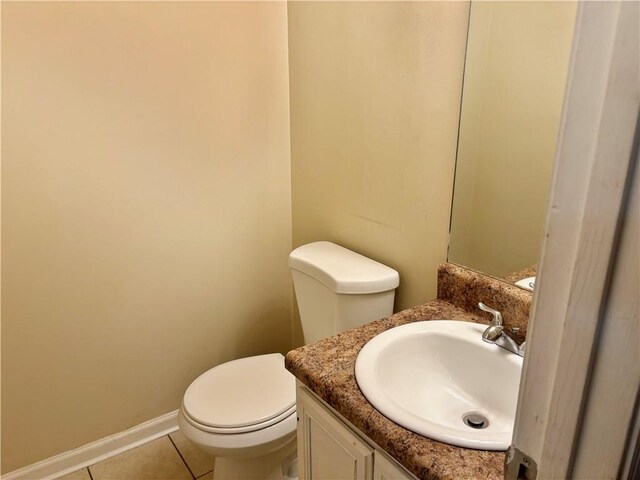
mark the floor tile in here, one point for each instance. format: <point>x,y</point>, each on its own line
<point>78,475</point>
<point>199,462</point>
<point>157,460</point>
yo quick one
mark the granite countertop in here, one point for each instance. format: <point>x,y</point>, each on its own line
<point>328,369</point>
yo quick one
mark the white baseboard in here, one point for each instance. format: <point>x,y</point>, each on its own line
<point>97,451</point>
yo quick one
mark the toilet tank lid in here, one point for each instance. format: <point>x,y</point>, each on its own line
<point>343,270</point>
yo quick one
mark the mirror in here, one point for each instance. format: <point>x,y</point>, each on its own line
<point>515,73</point>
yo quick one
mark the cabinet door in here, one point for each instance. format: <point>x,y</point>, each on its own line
<point>385,469</point>
<point>327,449</point>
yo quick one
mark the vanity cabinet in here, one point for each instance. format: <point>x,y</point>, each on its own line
<point>329,449</point>
<point>386,469</point>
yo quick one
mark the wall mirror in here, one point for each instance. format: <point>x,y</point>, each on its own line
<point>515,74</point>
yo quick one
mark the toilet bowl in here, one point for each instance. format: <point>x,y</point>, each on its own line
<point>243,411</point>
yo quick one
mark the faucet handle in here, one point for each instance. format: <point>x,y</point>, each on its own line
<point>497,316</point>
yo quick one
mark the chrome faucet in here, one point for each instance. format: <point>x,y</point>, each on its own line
<point>495,333</point>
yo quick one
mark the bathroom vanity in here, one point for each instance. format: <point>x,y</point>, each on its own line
<point>329,447</point>
<point>339,430</point>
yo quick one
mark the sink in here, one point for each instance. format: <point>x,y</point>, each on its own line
<point>438,378</point>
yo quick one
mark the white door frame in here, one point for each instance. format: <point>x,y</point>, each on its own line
<point>588,199</point>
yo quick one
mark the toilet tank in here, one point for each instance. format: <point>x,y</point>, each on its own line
<point>338,289</point>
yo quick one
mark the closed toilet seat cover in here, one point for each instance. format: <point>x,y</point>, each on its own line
<point>241,394</point>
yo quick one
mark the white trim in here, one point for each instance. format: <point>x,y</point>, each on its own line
<point>593,161</point>
<point>615,376</point>
<point>99,450</point>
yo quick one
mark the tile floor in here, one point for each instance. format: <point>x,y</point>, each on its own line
<point>168,458</point>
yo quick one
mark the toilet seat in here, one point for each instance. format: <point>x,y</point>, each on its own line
<point>241,396</point>
<point>260,395</point>
<point>246,429</point>
<point>249,444</point>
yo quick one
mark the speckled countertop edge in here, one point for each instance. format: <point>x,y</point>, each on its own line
<point>328,369</point>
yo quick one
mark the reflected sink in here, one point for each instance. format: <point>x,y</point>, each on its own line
<point>529,283</point>
<point>439,378</point>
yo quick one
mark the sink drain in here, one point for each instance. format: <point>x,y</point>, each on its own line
<point>475,420</point>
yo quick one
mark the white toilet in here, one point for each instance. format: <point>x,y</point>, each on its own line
<point>243,411</point>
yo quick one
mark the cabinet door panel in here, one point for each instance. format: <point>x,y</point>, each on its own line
<point>385,469</point>
<point>327,449</point>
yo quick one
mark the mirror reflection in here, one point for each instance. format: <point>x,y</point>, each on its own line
<point>515,73</point>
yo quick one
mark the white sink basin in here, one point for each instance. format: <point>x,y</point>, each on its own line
<point>427,376</point>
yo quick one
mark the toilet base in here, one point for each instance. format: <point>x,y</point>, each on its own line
<point>273,466</point>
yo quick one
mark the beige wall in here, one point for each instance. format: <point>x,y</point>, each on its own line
<point>517,61</point>
<point>375,91</point>
<point>146,209</point>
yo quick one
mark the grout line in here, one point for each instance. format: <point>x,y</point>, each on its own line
<point>204,474</point>
<point>89,472</point>
<point>179,453</point>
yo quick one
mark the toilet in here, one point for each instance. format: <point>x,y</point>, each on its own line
<point>244,411</point>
